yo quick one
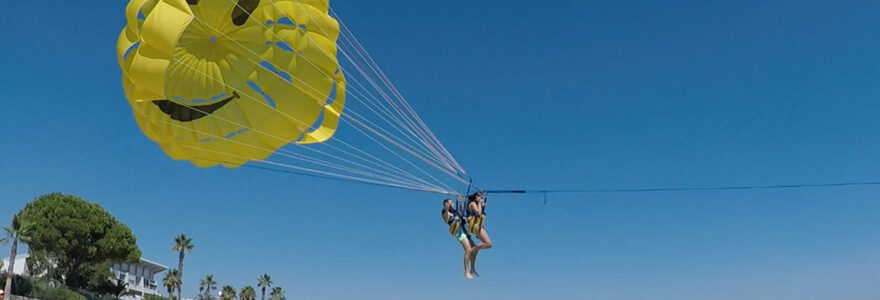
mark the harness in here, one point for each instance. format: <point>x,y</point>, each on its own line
<point>474,221</point>
<point>455,222</point>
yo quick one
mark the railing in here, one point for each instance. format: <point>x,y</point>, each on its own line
<point>139,283</point>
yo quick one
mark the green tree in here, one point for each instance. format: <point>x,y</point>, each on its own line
<point>277,294</point>
<point>227,293</point>
<point>264,281</point>
<point>13,234</point>
<point>207,286</point>
<point>183,245</point>
<point>247,293</point>
<point>171,281</point>
<point>74,240</point>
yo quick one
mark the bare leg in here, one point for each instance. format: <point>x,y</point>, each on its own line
<point>486,243</point>
<point>466,245</point>
<point>473,257</point>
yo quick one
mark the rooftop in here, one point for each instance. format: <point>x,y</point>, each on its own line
<point>154,266</point>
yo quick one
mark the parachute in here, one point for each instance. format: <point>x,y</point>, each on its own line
<point>233,82</point>
<point>261,69</point>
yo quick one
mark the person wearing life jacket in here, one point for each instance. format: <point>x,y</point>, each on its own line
<point>457,228</point>
<point>475,215</point>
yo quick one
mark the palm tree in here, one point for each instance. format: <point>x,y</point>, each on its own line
<point>171,282</point>
<point>207,285</point>
<point>277,294</point>
<point>13,233</point>
<point>119,289</point>
<point>264,281</point>
<point>247,293</point>
<point>227,293</point>
<point>183,245</point>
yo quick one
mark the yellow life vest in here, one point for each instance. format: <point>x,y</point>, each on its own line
<point>475,223</point>
<point>455,226</point>
<point>454,222</point>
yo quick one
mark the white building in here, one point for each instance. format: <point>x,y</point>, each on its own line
<point>140,276</point>
<point>20,264</point>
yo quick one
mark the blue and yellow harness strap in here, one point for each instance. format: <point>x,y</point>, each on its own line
<point>455,222</point>
<point>454,225</point>
<point>475,223</point>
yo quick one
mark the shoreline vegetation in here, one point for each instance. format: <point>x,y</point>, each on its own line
<point>71,260</point>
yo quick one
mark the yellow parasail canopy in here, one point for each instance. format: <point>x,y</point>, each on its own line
<point>227,81</point>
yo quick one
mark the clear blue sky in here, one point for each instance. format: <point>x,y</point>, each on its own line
<point>525,94</point>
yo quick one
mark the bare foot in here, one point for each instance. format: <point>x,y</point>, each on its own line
<point>475,274</point>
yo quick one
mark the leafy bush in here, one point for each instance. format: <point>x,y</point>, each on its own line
<point>89,295</point>
<point>58,293</point>
<point>21,285</point>
<point>42,290</point>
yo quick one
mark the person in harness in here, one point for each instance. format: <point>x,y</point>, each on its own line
<point>475,215</point>
<point>457,228</point>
